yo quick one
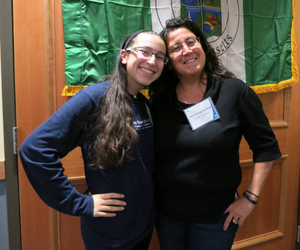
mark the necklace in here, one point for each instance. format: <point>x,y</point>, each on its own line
<point>201,83</point>
<point>190,95</point>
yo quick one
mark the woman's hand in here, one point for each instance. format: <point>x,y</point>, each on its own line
<point>105,205</point>
<point>238,211</point>
<point>242,207</point>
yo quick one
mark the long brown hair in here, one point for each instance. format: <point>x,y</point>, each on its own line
<point>113,135</point>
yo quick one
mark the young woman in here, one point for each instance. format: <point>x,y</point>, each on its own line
<point>111,122</point>
<point>197,169</point>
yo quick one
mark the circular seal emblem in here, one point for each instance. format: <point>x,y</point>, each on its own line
<point>219,19</point>
<point>230,22</point>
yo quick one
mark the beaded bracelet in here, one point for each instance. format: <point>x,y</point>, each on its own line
<point>249,198</point>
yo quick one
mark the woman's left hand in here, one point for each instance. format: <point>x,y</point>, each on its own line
<point>241,207</point>
<point>238,211</point>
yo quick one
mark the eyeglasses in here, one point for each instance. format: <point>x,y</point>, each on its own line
<point>147,53</point>
<point>191,42</point>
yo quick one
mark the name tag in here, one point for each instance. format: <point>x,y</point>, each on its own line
<point>201,113</point>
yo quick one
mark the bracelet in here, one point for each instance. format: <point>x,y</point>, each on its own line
<point>252,193</point>
<point>249,198</point>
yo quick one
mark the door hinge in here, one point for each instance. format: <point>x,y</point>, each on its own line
<point>298,233</point>
<point>15,140</point>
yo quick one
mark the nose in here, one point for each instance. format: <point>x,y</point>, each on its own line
<point>152,59</point>
<point>185,48</point>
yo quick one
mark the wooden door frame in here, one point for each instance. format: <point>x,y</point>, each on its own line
<point>298,220</point>
<point>9,121</point>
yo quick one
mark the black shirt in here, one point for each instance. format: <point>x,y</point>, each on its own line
<point>197,172</point>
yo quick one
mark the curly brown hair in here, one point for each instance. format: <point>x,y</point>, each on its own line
<point>213,66</point>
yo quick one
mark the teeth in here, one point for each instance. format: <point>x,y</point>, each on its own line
<point>189,61</point>
<point>147,71</point>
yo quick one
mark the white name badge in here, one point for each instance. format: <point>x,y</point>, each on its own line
<point>201,113</point>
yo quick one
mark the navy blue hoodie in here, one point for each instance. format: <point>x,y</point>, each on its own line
<point>67,129</point>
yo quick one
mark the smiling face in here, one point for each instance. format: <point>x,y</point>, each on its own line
<point>190,61</point>
<point>142,70</point>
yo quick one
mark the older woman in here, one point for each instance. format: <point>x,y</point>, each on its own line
<point>200,113</point>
